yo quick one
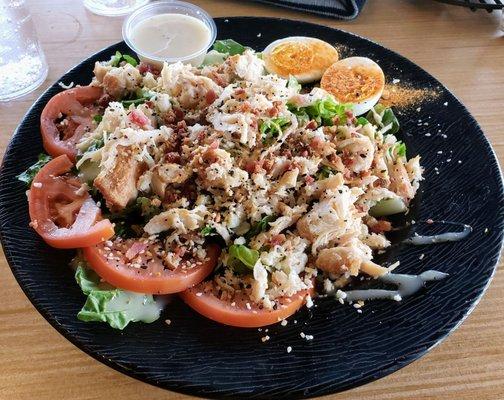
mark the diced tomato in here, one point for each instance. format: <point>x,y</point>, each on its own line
<point>63,216</point>
<point>146,272</point>
<point>138,118</point>
<point>66,117</point>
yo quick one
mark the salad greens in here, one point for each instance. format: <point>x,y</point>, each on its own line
<point>362,121</point>
<point>322,111</point>
<point>387,117</point>
<point>272,128</point>
<point>259,226</point>
<point>118,57</point>
<point>325,172</point>
<point>229,47</point>
<point>208,231</point>
<point>116,307</point>
<point>293,83</point>
<point>241,258</point>
<point>28,175</point>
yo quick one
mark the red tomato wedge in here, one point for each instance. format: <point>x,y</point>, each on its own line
<point>64,217</point>
<point>66,117</point>
<point>132,265</point>
<point>209,305</point>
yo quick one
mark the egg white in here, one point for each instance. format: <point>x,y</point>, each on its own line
<point>365,105</point>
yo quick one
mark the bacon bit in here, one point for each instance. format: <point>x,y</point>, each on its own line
<point>335,120</point>
<point>287,153</point>
<point>173,157</point>
<point>135,249</point>
<point>143,68</point>
<point>179,114</point>
<point>104,100</point>
<point>277,239</point>
<point>138,118</point>
<point>218,79</point>
<point>254,166</point>
<point>309,179</point>
<point>239,91</point>
<point>349,114</point>
<point>210,96</point>
<point>149,104</point>
<point>214,145</point>
<point>245,107</point>
<point>304,153</point>
<point>316,143</point>
<point>380,226</point>
<point>312,125</point>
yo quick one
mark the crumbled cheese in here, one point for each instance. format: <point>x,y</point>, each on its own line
<point>397,297</point>
<point>284,322</point>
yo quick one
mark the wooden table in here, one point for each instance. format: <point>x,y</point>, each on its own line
<point>464,50</point>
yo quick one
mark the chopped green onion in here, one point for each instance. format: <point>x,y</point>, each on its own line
<point>118,57</point>
<point>130,60</point>
<point>97,118</point>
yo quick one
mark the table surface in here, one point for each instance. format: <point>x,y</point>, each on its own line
<point>464,50</point>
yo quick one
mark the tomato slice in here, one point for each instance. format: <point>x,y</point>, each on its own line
<point>61,215</point>
<point>133,265</point>
<point>66,117</point>
<point>203,299</point>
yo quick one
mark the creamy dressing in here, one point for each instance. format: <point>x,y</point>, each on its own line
<point>169,36</point>
<point>418,240</point>
<point>136,306</point>
<point>407,285</point>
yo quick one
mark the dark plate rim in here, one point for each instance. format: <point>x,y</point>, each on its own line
<point>392,367</point>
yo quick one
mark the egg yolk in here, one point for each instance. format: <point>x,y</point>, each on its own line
<point>352,84</point>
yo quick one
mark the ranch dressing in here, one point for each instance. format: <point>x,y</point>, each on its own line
<point>170,37</point>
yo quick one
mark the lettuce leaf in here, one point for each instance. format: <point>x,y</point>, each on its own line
<point>114,306</point>
<point>229,46</point>
<point>241,258</point>
<point>29,174</point>
<point>322,111</point>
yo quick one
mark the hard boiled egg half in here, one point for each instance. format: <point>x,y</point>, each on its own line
<point>305,58</point>
<point>356,80</point>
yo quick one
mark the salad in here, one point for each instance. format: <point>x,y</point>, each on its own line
<point>243,191</point>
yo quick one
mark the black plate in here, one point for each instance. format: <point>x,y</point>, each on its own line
<point>196,356</point>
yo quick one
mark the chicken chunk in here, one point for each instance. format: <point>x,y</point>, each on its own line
<point>118,185</point>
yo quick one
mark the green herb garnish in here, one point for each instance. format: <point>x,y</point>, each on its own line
<point>387,117</point>
<point>97,118</point>
<point>362,121</point>
<point>325,172</point>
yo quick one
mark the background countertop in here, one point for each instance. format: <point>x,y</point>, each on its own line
<point>464,50</point>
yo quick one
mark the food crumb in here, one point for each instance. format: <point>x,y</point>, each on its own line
<point>359,311</point>
<point>421,257</point>
<point>38,185</point>
<point>395,80</point>
<point>309,302</point>
<point>486,230</point>
<point>265,338</point>
<point>397,297</point>
<point>199,294</point>
<point>445,103</point>
<point>289,349</point>
<point>168,321</point>
<point>284,322</point>
<point>259,35</point>
<point>302,335</point>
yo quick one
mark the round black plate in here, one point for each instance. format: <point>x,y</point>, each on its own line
<point>196,356</point>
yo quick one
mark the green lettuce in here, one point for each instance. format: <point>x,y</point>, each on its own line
<point>321,111</point>
<point>241,258</point>
<point>387,117</point>
<point>259,226</point>
<point>272,128</point>
<point>229,47</point>
<point>28,175</point>
<point>114,306</point>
